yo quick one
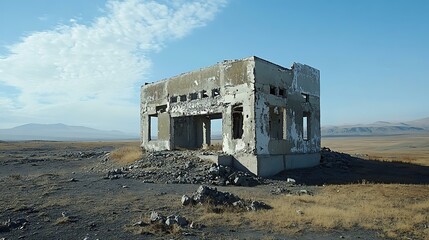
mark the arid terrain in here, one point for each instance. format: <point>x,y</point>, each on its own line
<point>108,190</point>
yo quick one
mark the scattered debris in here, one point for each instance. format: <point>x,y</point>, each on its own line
<point>279,190</point>
<point>9,225</point>
<point>210,195</point>
<point>195,225</point>
<point>257,205</point>
<point>182,167</point>
<point>156,217</point>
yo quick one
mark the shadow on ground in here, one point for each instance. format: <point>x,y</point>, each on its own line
<point>342,168</point>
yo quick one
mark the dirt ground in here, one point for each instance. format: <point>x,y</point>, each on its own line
<point>62,190</point>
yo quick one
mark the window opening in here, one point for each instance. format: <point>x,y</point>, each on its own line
<point>204,94</point>
<point>237,122</point>
<point>305,96</point>
<point>173,99</point>
<point>306,126</point>
<point>272,90</point>
<point>153,127</point>
<point>215,92</point>
<point>193,96</point>
<point>277,123</point>
<point>183,98</point>
<point>282,92</point>
<point>161,109</point>
<point>216,132</point>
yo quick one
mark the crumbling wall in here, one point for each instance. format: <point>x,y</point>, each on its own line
<point>270,114</point>
<point>238,80</point>
<point>280,104</point>
<point>191,98</point>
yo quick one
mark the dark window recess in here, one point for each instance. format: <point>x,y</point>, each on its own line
<point>282,92</point>
<point>272,90</point>
<point>277,122</point>
<point>193,96</point>
<point>183,98</point>
<point>215,92</point>
<point>161,109</point>
<point>237,122</point>
<point>204,94</point>
<point>173,99</point>
<point>305,96</point>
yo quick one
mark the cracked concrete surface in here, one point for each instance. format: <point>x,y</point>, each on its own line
<point>270,114</point>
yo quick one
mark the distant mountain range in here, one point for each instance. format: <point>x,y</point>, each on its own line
<point>378,128</point>
<point>60,132</point>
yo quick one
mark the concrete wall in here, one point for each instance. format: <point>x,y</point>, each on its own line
<point>207,92</point>
<point>266,100</point>
<point>279,110</point>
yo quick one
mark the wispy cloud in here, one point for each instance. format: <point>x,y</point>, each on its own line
<point>90,74</point>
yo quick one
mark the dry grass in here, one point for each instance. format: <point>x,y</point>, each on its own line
<point>126,155</point>
<point>395,210</point>
<point>31,145</point>
<point>402,148</point>
<point>63,220</point>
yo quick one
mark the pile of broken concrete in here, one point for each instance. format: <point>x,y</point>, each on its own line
<point>181,167</point>
<point>210,195</point>
<point>225,175</point>
<point>171,220</point>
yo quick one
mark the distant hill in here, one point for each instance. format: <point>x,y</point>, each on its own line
<point>378,128</point>
<point>60,132</point>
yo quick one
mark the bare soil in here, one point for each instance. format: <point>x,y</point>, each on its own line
<point>62,190</point>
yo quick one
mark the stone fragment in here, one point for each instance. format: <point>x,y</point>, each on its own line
<point>170,220</point>
<point>186,200</point>
<point>181,221</point>
<point>245,181</point>
<point>257,205</point>
<point>290,180</point>
<point>195,225</point>
<point>155,217</point>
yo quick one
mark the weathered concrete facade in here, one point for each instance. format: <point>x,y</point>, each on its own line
<point>270,114</point>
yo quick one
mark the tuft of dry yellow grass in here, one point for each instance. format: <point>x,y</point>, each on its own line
<point>126,155</point>
<point>395,210</point>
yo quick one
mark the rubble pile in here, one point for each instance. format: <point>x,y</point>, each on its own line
<point>170,220</point>
<point>181,167</point>
<point>332,159</point>
<point>224,175</point>
<point>210,195</point>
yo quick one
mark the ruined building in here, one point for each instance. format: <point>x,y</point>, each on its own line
<point>270,114</point>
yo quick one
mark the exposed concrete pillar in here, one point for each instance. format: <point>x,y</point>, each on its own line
<point>206,132</point>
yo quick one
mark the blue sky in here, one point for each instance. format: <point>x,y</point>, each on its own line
<point>81,62</point>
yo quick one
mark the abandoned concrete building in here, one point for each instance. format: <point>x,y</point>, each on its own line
<point>270,115</point>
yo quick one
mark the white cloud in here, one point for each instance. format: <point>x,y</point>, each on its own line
<point>87,74</point>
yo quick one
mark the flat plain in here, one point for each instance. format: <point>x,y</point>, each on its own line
<point>60,190</point>
<point>401,148</point>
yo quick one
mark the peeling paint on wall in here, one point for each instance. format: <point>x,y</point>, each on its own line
<point>258,86</point>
